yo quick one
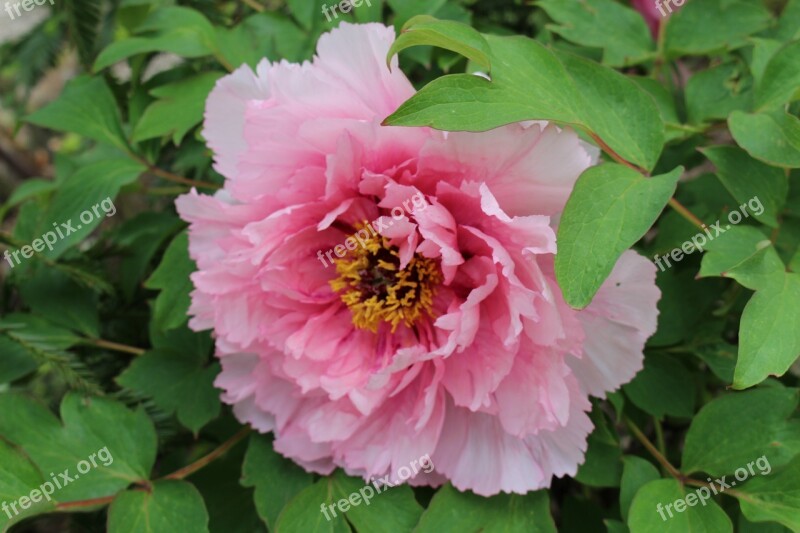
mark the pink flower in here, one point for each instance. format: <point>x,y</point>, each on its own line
<point>444,333</point>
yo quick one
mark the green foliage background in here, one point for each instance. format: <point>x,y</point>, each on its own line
<point>94,345</point>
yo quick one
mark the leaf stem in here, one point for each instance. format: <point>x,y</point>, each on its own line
<point>105,500</point>
<point>255,5</point>
<point>188,470</point>
<point>614,155</point>
<point>685,213</point>
<point>675,204</point>
<point>169,176</point>
<point>663,461</point>
<point>114,346</point>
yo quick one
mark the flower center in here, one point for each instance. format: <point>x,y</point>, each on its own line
<point>377,290</point>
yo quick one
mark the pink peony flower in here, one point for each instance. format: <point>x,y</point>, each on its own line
<point>445,333</point>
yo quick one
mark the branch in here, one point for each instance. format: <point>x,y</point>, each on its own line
<point>187,471</point>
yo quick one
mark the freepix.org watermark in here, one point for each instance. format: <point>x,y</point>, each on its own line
<point>699,241</point>
<point>662,4</point>
<point>48,488</point>
<point>61,231</point>
<point>362,236</point>
<point>345,6</point>
<point>366,493</point>
<point>27,5</point>
<point>703,494</point>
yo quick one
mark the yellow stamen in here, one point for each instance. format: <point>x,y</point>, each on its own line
<point>372,285</point>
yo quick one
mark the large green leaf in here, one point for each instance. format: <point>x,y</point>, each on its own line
<point>531,82</point>
<point>179,30</point>
<point>769,333</point>
<point>773,138</point>
<point>165,506</point>
<point>276,479</point>
<point>611,207</point>
<point>590,22</point>
<point>636,472</point>
<point>452,510</point>
<point>745,254</point>
<point>781,79</point>
<point>747,178</point>
<point>87,427</point>
<point>304,512</point>
<point>718,442</point>
<point>773,496</point>
<point>444,34</point>
<point>714,93</point>
<point>21,477</point>
<point>87,108</point>
<point>179,108</point>
<point>178,381</point>
<point>712,25</point>
<point>654,509</point>
<point>84,200</point>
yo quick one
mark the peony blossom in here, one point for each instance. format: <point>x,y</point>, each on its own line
<point>442,334</point>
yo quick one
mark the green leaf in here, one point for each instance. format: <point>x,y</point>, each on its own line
<point>54,296</point>
<point>452,510</point>
<point>271,35</point>
<point>230,505</point>
<point>405,10</point>
<point>179,382</point>
<point>83,20</point>
<point>15,360</point>
<point>426,30</point>
<point>166,506</point>
<point>394,510</point>
<point>745,254</point>
<point>179,108</point>
<point>781,81</point>
<point>720,358</point>
<point>530,82</point>
<point>769,333</point>
<point>663,387</point>
<point>653,509</point>
<point>636,472</point>
<point>276,479</point>
<point>603,464</point>
<point>610,209</point>
<point>139,238</point>
<point>774,497</point>
<point>84,201</point>
<point>19,478</point>
<point>747,178</point>
<point>590,22</point>
<point>718,442</point>
<point>179,30</point>
<point>789,22</point>
<point>90,425</point>
<point>713,25</point>
<point>86,107</point>
<point>714,93</point>
<point>172,278</point>
<point>304,512</point>
<point>771,138</point>
<point>763,50</point>
<point>32,342</point>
